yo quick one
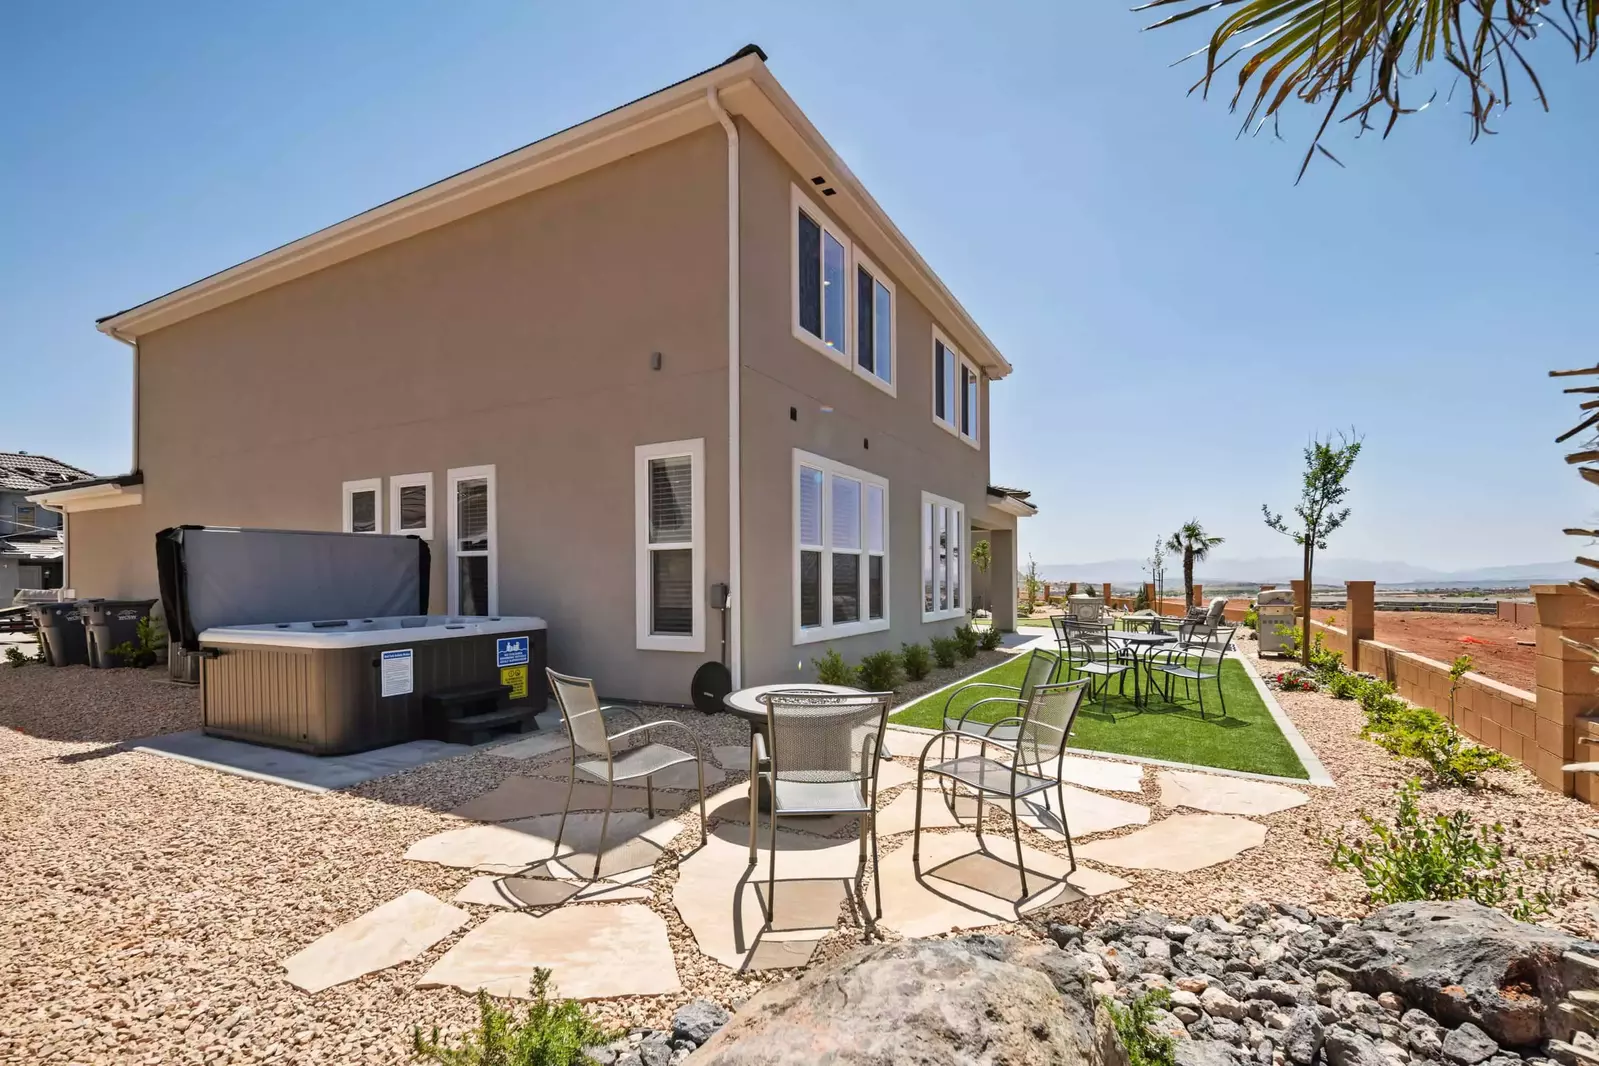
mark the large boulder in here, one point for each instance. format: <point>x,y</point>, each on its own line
<point>1462,962</point>
<point>990,999</point>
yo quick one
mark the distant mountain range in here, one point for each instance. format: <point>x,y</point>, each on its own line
<point>1329,570</point>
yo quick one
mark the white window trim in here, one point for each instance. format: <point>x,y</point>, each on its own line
<point>828,631</point>
<point>406,481</point>
<point>799,200</point>
<point>952,427</point>
<point>374,485</point>
<point>453,479</point>
<point>642,454</point>
<point>928,500</point>
<point>860,261</point>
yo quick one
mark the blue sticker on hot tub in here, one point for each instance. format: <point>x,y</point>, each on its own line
<point>510,651</point>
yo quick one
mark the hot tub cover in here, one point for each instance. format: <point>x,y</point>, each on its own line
<point>214,576</point>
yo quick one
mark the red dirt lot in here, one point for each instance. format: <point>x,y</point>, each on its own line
<point>1490,642</point>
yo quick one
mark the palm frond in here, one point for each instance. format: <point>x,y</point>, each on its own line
<point>1359,54</point>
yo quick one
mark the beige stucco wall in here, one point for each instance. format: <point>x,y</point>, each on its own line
<point>891,436</point>
<point>520,336</point>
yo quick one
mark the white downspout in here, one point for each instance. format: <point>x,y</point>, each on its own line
<point>134,465</point>
<point>735,553</point>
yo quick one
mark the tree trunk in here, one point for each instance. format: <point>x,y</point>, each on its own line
<point>1188,580</point>
<point>1304,632</point>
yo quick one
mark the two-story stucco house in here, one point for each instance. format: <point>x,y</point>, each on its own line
<point>675,347</point>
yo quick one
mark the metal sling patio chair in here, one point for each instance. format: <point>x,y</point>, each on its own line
<point>1041,667</point>
<point>1198,663</point>
<point>819,755</point>
<point>1089,649</point>
<point>589,733</point>
<point>1033,764</point>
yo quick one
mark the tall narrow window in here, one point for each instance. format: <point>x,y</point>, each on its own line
<point>874,324</point>
<point>840,549</point>
<point>473,563</point>
<point>943,558</point>
<point>821,280</point>
<point>941,397</point>
<point>411,505</point>
<point>957,391</point>
<point>362,512</point>
<point>669,497</point>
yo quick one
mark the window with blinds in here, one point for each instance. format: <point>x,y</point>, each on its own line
<point>943,558</point>
<point>841,548</point>
<point>671,565</point>
<point>472,546</point>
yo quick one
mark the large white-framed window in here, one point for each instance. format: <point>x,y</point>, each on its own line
<point>473,556</point>
<point>874,324</point>
<point>411,505</point>
<point>840,550</point>
<point>944,562</point>
<point>821,289</point>
<point>363,506</point>
<point>669,522</point>
<point>957,391</point>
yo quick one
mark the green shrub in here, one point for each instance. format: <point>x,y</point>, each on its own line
<point>944,651</point>
<point>1326,663</point>
<point>1345,686</point>
<point>140,653</point>
<point>879,671</point>
<point>989,639</point>
<point>1421,733</point>
<point>831,669</point>
<point>1252,618</point>
<point>1141,601</point>
<point>1135,1024</point>
<point>15,656</point>
<point>1377,699</point>
<point>916,660</point>
<point>966,641</point>
<point>553,1033</point>
<point>1443,857</point>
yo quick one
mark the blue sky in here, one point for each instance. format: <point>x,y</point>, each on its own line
<point>1181,316</point>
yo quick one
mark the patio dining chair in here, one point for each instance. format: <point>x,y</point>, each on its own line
<point>590,736</point>
<point>1041,667</point>
<point>819,755</point>
<point>1030,764</point>
<point>1200,662</point>
<point>1089,649</point>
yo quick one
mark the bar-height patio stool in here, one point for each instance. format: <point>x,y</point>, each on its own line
<point>589,734</point>
<point>819,755</point>
<point>1034,764</point>
<point>1090,650</point>
<point>1201,661</point>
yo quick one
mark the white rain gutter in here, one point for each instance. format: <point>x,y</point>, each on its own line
<point>735,555</point>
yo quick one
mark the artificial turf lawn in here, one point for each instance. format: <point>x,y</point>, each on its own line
<point>1246,739</point>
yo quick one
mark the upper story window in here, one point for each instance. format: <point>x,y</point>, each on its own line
<point>957,391</point>
<point>840,550</point>
<point>874,323</point>
<point>843,303</point>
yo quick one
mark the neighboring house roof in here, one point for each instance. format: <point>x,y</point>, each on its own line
<point>744,87</point>
<point>37,551</point>
<point>1013,501</point>
<point>93,494</point>
<point>25,472</point>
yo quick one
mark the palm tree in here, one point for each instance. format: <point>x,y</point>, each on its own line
<point>1364,63</point>
<point>1194,544</point>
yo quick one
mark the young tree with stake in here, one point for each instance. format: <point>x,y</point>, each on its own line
<point>1327,464</point>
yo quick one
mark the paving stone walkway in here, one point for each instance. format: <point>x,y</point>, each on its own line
<point>605,937</point>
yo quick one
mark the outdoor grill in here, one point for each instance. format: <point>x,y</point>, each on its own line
<point>320,642</point>
<point>1275,610</point>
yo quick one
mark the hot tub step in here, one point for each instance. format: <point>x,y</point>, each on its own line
<point>477,728</point>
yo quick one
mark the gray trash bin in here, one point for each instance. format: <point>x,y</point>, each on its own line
<point>110,623</point>
<point>61,632</point>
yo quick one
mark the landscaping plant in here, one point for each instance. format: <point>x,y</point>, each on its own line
<point>1141,600</point>
<point>1457,670</point>
<point>1193,544</point>
<point>142,653</point>
<point>1295,681</point>
<point>1252,618</point>
<point>1344,686</point>
<point>990,639</point>
<point>1437,858</point>
<point>1319,510</point>
<point>966,641</point>
<point>15,656</point>
<point>1422,733</point>
<point>945,649</point>
<point>1135,1024</point>
<point>831,669</point>
<point>916,660</point>
<point>554,1032</point>
<point>1031,585</point>
<point>879,671</point>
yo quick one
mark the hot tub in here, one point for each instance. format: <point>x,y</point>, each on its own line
<point>342,685</point>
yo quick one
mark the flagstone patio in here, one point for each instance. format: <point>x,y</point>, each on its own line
<point>611,937</point>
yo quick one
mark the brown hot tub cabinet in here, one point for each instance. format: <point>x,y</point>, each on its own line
<point>347,685</point>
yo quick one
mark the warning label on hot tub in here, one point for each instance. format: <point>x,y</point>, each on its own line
<point>516,678</point>
<point>396,674</point>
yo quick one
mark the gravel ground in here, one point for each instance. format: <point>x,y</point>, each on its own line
<point>146,904</point>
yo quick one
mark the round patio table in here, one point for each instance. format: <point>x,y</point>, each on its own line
<point>1140,646</point>
<point>746,703</point>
